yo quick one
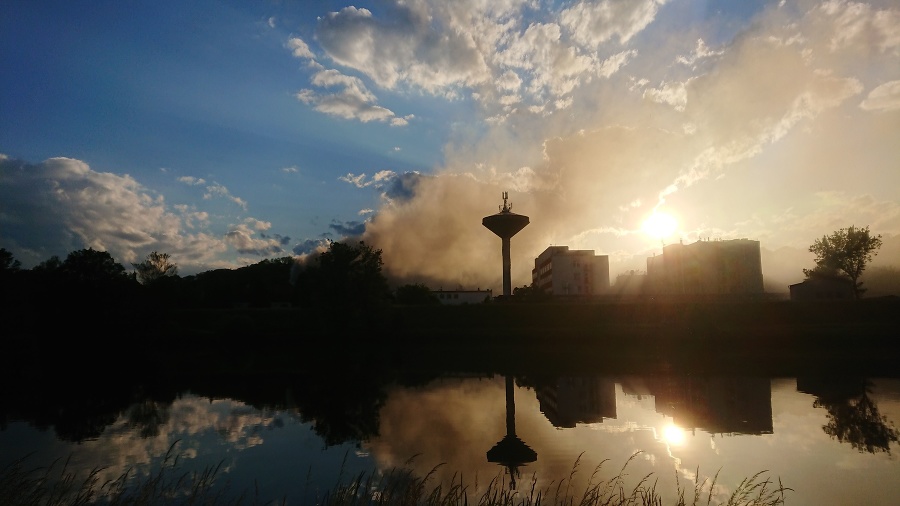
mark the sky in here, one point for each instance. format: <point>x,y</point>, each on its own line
<point>227,132</point>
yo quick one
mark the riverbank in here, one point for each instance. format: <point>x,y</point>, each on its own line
<point>768,336</point>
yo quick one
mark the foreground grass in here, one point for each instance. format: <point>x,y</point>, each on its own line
<point>56,486</point>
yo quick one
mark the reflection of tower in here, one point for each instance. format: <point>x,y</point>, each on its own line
<point>505,224</point>
<point>511,451</point>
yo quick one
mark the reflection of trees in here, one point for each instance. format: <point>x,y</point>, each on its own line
<point>853,416</point>
<point>148,416</point>
<point>342,409</point>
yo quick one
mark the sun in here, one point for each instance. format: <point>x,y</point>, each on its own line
<point>673,435</point>
<point>659,225</point>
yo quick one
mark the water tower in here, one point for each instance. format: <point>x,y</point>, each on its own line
<point>505,224</point>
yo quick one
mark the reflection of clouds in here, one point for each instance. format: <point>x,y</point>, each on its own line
<point>457,421</point>
<point>194,423</point>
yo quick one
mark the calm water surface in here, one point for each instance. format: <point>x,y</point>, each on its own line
<point>831,441</point>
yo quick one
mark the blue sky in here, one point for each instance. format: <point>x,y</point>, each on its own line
<point>224,133</point>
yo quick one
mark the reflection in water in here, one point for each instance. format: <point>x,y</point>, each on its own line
<point>295,436</point>
<point>567,401</point>
<point>511,451</point>
<point>719,405</point>
<point>853,416</point>
<point>725,405</point>
<point>147,417</point>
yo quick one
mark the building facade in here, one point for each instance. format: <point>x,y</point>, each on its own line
<point>707,268</point>
<point>822,287</point>
<point>563,272</point>
<point>453,297</point>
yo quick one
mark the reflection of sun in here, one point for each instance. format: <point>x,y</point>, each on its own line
<point>673,435</point>
<point>659,225</point>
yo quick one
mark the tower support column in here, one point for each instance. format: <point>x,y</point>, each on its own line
<point>507,268</point>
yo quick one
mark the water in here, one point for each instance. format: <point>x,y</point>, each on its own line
<point>293,437</point>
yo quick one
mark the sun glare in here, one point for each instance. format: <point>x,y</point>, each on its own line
<point>659,225</point>
<point>673,435</point>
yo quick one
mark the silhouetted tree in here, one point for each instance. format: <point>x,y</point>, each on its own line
<point>155,267</point>
<point>344,280</point>
<point>530,293</point>
<point>8,262</point>
<point>415,295</point>
<point>9,276</point>
<point>266,282</point>
<point>92,266</point>
<point>51,265</point>
<point>89,278</point>
<point>846,251</point>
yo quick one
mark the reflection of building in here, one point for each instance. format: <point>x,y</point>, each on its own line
<point>822,287</point>
<point>571,400</point>
<point>463,296</point>
<point>561,271</point>
<point>707,267</point>
<point>717,405</point>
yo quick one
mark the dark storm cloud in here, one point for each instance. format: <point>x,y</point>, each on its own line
<point>348,228</point>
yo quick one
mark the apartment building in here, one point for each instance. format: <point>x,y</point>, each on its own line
<point>564,272</point>
<point>707,268</point>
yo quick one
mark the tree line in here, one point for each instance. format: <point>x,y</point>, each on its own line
<point>344,276</point>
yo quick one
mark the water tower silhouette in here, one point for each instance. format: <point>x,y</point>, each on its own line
<point>511,452</point>
<point>505,224</point>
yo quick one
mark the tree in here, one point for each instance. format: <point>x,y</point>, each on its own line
<point>346,278</point>
<point>10,268</point>
<point>92,267</point>
<point>8,262</point>
<point>89,277</point>
<point>845,252</point>
<point>530,293</point>
<point>416,294</point>
<point>155,267</point>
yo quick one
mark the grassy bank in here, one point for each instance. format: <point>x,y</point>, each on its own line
<point>55,485</point>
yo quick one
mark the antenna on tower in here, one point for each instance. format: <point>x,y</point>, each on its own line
<point>506,207</point>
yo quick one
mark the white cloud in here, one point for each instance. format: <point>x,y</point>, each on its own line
<point>299,48</point>
<point>885,97</point>
<point>554,67</point>
<point>615,62</point>
<point>192,181</point>
<point>403,48</point>
<point>674,94</point>
<point>699,53</point>
<point>352,101</point>
<point>62,205</point>
<point>242,238</point>
<point>218,190</point>
<point>362,181</point>
<point>594,23</point>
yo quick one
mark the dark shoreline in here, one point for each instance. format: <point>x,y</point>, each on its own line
<point>774,337</point>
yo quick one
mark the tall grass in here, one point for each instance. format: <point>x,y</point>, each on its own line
<point>54,485</point>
